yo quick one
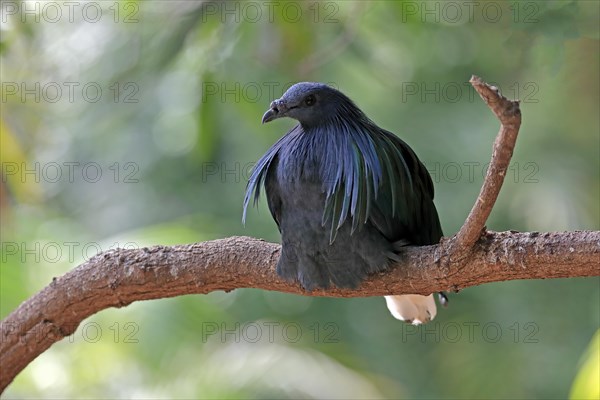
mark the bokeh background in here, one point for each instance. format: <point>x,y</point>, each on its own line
<point>128,124</point>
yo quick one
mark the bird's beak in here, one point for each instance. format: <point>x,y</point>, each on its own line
<point>277,109</point>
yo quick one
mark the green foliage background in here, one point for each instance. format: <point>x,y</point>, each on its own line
<point>176,130</point>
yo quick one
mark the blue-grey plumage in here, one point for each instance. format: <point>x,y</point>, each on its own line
<point>344,193</point>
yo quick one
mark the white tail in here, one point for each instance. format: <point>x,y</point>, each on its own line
<point>412,308</point>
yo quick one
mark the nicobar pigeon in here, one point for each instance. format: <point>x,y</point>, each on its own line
<point>346,195</point>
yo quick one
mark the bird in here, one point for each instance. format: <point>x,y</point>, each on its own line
<point>346,196</point>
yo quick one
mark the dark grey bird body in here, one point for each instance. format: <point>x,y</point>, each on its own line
<point>345,194</point>
<point>307,253</point>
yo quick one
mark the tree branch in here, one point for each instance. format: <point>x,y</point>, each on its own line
<point>509,114</point>
<point>119,277</point>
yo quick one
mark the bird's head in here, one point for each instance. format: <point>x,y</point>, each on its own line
<point>310,103</point>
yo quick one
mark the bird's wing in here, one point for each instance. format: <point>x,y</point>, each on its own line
<point>404,209</point>
<point>377,178</point>
<point>272,191</point>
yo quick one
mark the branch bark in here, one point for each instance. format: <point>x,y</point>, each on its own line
<point>119,277</point>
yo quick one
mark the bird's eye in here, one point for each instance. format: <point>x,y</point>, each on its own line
<point>310,100</point>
